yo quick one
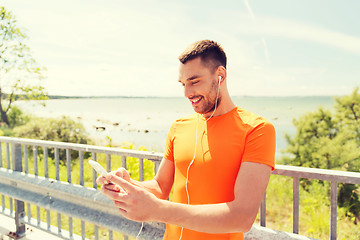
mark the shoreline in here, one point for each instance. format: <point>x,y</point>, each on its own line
<point>129,135</point>
<point>145,122</point>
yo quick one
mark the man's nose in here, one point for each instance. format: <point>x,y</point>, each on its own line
<point>188,91</point>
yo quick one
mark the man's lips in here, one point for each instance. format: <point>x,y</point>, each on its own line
<point>195,100</point>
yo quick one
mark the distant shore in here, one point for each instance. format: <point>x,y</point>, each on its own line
<point>145,121</point>
<point>95,97</point>
<point>121,96</point>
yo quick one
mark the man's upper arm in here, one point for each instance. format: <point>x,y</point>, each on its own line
<point>250,187</point>
<point>260,145</point>
<point>165,176</point>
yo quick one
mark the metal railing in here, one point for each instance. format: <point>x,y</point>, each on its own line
<point>87,204</point>
<point>334,177</point>
<point>65,197</point>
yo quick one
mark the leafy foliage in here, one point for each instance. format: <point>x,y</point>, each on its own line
<point>330,140</point>
<point>20,74</point>
<point>60,130</point>
<point>17,117</point>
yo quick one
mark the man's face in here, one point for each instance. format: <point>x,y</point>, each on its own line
<point>200,86</point>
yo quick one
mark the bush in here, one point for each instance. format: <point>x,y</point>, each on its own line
<point>6,131</point>
<point>16,117</point>
<point>60,130</point>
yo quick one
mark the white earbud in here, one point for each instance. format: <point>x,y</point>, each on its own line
<point>219,79</point>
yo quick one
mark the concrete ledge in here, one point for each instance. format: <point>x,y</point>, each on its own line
<point>7,225</point>
<point>258,233</point>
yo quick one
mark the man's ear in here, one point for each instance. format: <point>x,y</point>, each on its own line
<point>221,72</point>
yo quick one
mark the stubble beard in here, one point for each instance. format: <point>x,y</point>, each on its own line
<point>210,102</point>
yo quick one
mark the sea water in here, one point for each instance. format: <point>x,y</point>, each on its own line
<point>146,121</point>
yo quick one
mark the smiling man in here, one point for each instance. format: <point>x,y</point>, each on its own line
<point>218,160</point>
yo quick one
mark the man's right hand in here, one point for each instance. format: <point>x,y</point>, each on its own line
<point>120,172</point>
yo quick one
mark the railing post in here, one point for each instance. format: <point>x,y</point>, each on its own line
<point>1,161</point>
<point>19,205</point>
<point>263,211</point>
<point>108,162</point>
<point>8,155</point>
<point>46,163</point>
<point>333,217</point>
<point>141,169</point>
<point>57,162</point>
<point>94,157</point>
<point>81,162</point>
<point>68,171</point>
<point>123,162</point>
<point>157,165</point>
<point>296,205</point>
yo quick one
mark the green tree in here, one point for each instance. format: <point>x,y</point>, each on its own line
<point>330,139</point>
<point>20,75</point>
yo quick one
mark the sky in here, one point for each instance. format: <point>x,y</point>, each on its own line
<point>130,48</point>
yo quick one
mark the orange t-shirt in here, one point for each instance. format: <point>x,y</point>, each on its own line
<point>223,142</point>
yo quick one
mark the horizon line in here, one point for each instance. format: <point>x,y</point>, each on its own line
<point>124,96</point>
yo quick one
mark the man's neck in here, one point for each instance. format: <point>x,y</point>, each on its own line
<point>225,106</point>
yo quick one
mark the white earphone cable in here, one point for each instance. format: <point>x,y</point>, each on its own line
<point>142,226</point>
<point>193,159</point>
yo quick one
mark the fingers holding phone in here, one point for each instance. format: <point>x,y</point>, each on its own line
<point>113,187</point>
<point>123,173</point>
<point>120,172</point>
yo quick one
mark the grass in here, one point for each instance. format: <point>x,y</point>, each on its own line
<point>314,219</point>
<point>314,210</point>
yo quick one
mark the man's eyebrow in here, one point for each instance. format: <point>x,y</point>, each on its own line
<point>191,78</point>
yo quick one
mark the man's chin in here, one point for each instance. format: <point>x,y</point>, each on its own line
<point>202,112</point>
<point>197,110</point>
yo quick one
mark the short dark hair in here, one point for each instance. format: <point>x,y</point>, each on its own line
<point>211,54</point>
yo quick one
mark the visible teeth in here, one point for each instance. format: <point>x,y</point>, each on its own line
<point>195,100</point>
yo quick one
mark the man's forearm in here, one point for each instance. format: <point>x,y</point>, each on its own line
<point>151,186</point>
<point>141,201</point>
<point>162,183</point>
<point>209,218</point>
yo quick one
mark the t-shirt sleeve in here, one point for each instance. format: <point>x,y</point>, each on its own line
<point>260,145</point>
<point>169,144</point>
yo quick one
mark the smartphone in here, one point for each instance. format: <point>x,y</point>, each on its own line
<point>98,168</point>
